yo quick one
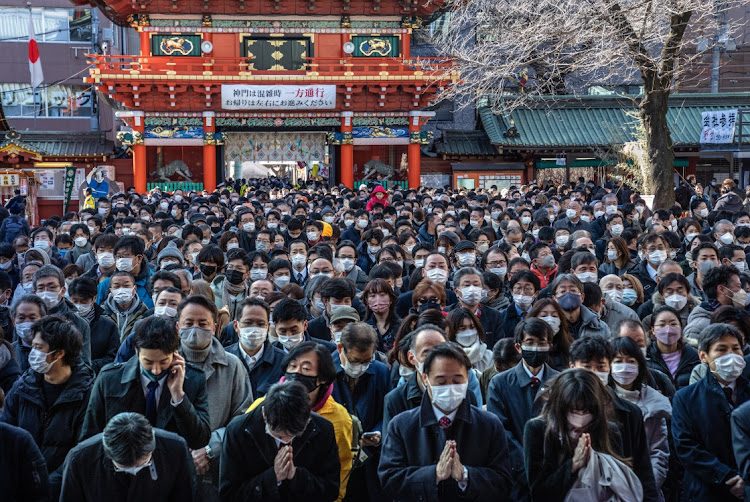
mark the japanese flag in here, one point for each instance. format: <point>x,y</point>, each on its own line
<point>35,64</point>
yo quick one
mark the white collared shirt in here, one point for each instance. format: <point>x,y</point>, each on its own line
<point>652,272</point>
<point>439,414</point>
<point>251,361</point>
<point>144,383</point>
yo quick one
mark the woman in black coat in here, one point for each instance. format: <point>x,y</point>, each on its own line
<point>49,400</point>
<point>556,448</point>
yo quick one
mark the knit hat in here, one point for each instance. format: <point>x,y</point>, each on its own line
<point>170,251</point>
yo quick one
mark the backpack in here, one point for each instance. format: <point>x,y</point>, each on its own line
<point>13,228</point>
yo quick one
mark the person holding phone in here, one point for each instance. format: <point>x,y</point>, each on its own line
<point>158,383</point>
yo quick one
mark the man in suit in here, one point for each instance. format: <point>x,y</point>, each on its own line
<point>261,359</point>
<point>701,418</point>
<point>446,449</point>
<point>130,460</point>
<point>298,257</point>
<point>280,451</point>
<point>157,383</point>
<point>741,443</point>
<point>511,394</point>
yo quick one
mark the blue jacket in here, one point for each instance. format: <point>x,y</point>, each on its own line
<point>141,283</point>
<point>266,372</point>
<point>351,234</point>
<point>369,393</point>
<point>415,442</point>
<point>703,439</point>
<point>741,442</point>
<point>425,237</point>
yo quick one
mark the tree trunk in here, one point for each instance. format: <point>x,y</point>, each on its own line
<point>659,148</point>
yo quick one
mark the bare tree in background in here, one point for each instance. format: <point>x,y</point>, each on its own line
<point>519,50</point>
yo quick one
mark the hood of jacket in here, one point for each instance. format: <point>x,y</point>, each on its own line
<point>590,318</point>
<point>654,404</point>
<point>692,301</point>
<point>112,306</point>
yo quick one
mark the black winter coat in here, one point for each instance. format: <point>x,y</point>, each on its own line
<point>54,427</point>
<point>246,467</point>
<point>90,475</point>
<point>23,474</point>
<point>688,361</point>
<point>105,339</point>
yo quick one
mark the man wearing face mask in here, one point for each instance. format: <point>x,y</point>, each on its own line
<point>723,233</point>
<point>705,257</point>
<point>290,322</point>
<point>154,464</point>
<point>122,305</point>
<point>129,257</point>
<point>722,286</point>
<point>446,448</point>
<point>568,292</point>
<point>361,385</point>
<point>594,353</point>
<point>158,383</point>
<point>280,451</point>
<point>524,286</point>
<point>49,285</point>
<point>230,288</point>
<point>334,293</point>
<point>609,311</point>
<point>543,263</point>
<point>653,252</point>
<point>437,269</point>
<point>310,364</point>
<point>572,220</point>
<point>701,418</point>
<point>227,385</point>
<point>510,395</point>
<point>49,400</point>
<point>261,359</point>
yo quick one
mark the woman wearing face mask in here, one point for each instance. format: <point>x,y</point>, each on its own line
<point>668,352</point>
<point>465,329</point>
<point>428,295</point>
<point>632,291</point>
<point>629,377</point>
<point>105,338</point>
<point>576,420</point>
<point>673,291</point>
<point>549,311</point>
<point>380,300</point>
<point>618,260</point>
<point>49,400</point>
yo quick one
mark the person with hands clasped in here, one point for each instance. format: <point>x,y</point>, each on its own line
<point>473,460</point>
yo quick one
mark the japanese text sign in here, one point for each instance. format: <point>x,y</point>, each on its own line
<point>718,126</point>
<point>278,97</point>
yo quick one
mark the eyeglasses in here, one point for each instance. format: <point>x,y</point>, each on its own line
<point>529,290</point>
<point>423,301</point>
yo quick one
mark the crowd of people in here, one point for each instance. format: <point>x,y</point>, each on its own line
<point>277,342</point>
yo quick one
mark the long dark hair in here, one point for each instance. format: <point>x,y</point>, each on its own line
<point>562,339</point>
<point>576,390</point>
<point>455,320</point>
<point>627,347</point>
<point>376,286</point>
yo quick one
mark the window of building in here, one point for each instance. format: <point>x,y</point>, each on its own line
<point>432,29</point>
<point>52,101</point>
<point>277,53</point>
<point>50,25</point>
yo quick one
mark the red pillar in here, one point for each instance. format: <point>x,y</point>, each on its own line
<point>209,152</point>
<point>139,153</point>
<point>413,152</point>
<point>347,150</point>
<point>145,48</point>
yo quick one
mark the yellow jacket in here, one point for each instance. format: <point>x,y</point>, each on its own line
<point>89,202</point>
<point>342,428</point>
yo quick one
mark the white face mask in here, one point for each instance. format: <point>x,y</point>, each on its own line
<point>84,308</point>
<point>355,370</point>
<point>438,275</point>
<point>523,301</point>
<point>122,296</point>
<point>289,342</point>
<point>232,245</point>
<point>165,311</point>
<point>587,276</point>
<point>554,322</point>
<point>614,295</point>
<point>500,271</point>
<point>249,226</point>
<point>728,367</point>
<point>258,273</point>
<point>617,229</point>
<point>466,259</point>
<point>252,337</point>
<point>81,241</point>
<point>125,264</point>
<point>348,263</point>
<point>448,397</point>
<point>471,295</point>
<point>676,301</point>
<point>419,263</point>
<point>467,337</point>
<point>38,361</point>
<point>624,373</point>
<point>281,281</point>
<point>612,255</point>
<point>50,298</point>
<point>562,240</point>
<point>132,470</point>
<point>312,236</point>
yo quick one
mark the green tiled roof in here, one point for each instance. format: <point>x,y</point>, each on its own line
<point>465,143</point>
<point>61,144</point>
<point>596,121</point>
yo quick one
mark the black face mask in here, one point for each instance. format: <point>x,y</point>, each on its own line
<point>310,383</point>
<point>208,270</point>
<point>534,358</point>
<point>429,305</point>
<point>216,230</point>
<point>234,276</point>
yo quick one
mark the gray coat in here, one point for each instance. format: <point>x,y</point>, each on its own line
<point>592,325</point>
<point>657,411</point>
<point>614,312</point>
<point>358,276</point>
<point>228,390</point>
<point>698,319</point>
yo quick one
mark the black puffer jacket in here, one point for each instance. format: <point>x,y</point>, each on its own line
<point>55,428</point>
<point>688,361</point>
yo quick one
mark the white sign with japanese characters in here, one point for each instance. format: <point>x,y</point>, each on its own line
<point>718,126</point>
<point>278,97</point>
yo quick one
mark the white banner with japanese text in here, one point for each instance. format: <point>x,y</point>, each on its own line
<point>717,127</point>
<point>278,97</point>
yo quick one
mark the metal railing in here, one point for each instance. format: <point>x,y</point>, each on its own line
<point>171,186</point>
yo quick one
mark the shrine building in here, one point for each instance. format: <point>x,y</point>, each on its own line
<point>295,86</point>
